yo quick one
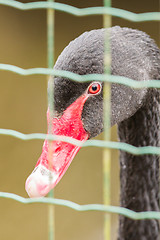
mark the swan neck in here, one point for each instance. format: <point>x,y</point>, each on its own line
<point>140,174</point>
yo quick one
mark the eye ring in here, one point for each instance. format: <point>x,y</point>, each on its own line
<point>94,88</point>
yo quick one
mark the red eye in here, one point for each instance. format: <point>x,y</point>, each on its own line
<point>94,88</point>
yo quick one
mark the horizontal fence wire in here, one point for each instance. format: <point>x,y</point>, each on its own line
<point>82,208</point>
<point>82,78</point>
<point>135,17</point>
<point>89,143</point>
<point>116,12</point>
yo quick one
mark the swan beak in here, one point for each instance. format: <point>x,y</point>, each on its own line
<point>57,155</point>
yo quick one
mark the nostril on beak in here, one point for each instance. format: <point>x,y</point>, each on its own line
<point>40,182</point>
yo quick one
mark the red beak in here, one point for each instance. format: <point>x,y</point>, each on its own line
<point>48,173</point>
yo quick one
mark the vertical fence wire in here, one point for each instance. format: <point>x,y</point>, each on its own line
<point>106,108</point>
<point>50,62</point>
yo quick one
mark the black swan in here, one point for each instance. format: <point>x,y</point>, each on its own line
<point>79,114</point>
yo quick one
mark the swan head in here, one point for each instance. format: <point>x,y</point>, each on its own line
<point>79,106</point>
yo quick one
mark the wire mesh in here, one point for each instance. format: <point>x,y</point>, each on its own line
<point>90,143</point>
<point>50,61</point>
<point>82,78</point>
<point>134,17</point>
<point>107,132</point>
<point>151,16</point>
<point>89,207</point>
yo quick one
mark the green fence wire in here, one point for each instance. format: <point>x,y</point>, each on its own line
<point>82,208</point>
<point>90,143</point>
<point>82,78</point>
<point>50,63</point>
<point>106,159</point>
<point>116,12</point>
<point>150,16</point>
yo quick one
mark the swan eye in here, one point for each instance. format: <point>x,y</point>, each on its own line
<point>94,88</point>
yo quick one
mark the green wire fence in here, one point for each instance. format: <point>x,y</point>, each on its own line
<point>150,16</point>
<point>81,78</point>
<point>107,11</point>
<point>50,61</point>
<point>107,125</point>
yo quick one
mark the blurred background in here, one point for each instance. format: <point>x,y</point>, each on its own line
<point>23,104</point>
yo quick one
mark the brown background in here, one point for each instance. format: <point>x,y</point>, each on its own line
<point>23,104</point>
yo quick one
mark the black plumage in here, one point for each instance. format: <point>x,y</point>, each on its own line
<point>136,56</point>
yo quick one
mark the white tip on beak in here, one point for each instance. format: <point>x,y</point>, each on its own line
<point>40,182</point>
